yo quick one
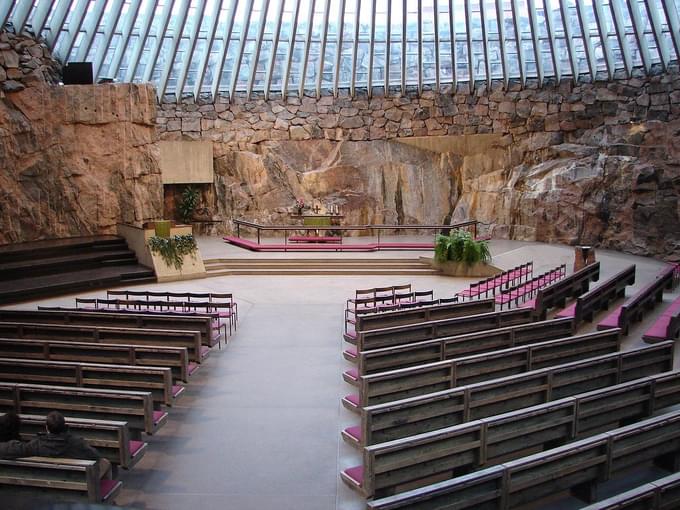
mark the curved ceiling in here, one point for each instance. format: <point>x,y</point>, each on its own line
<point>293,46</point>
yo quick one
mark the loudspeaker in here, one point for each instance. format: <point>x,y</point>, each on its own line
<point>78,73</point>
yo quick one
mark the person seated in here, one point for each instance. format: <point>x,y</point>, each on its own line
<point>58,442</point>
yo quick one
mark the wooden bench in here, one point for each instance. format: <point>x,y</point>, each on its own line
<point>422,379</point>
<point>401,301</point>
<point>74,476</point>
<point>398,419</point>
<point>586,306</point>
<point>191,340</point>
<point>174,358</point>
<point>556,294</point>
<point>471,446</point>
<point>409,333</point>
<point>667,326</point>
<point>509,277</point>
<point>422,314</point>
<point>661,494</point>
<point>528,288</point>
<point>578,467</point>
<point>439,349</point>
<point>110,438</point>
<point>633,309</point>
<point>157,380</point>
<point>134,407</point>
<point>202,324</point>
<point>227,310</point>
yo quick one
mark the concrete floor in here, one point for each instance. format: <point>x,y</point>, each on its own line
<point>259,424</point>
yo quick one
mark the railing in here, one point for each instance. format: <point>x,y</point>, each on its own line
<point>470,225</point>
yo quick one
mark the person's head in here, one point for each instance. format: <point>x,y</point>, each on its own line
<point>10,423</point>
<point>56,424</point>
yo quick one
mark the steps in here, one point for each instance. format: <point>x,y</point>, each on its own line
<point>44,268</point>
<point>318,266</point>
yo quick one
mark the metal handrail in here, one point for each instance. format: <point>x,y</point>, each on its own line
<point>370,227</point>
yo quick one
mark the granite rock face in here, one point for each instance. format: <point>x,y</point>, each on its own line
<point>77,160</point>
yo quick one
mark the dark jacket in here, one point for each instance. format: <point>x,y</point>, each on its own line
<point>51,445</point>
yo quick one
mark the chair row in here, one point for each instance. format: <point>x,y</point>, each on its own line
<point>587,305</point>
<point>373,297</point>
<point>634,308</point>
<point>527,289</point>
<point>489,286</point>
<point>478,444</point>
<point>578,467</point>
<point>393,385</point>
<point>416,415</point>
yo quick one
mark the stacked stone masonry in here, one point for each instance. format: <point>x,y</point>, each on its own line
<point>565,108</point>
<point>25,61</point>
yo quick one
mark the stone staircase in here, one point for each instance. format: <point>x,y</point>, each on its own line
<point>319,266</point>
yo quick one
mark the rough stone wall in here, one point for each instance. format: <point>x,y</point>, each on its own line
<point>24,61</point>
<point>566,108</point>
<point>76,159</point>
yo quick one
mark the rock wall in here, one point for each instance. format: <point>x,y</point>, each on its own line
<point>77,160</point>
<point>25,61</point>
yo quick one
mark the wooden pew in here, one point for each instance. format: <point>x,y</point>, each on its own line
<point>429,351</point>
<point>414,460</point>
<point>661,494</point>
<point>398,335</point>
<point>74,476</point>
<point>202,324</point>
<point>174,358</point>
<point>556,294</point>
<point>577,467</point>
<point>110,438</point>
<point>422,314</point>
<point>422,379</point>
<point>403,418</point>
<point>157,380</point>
<point>587,305</point>
<point>134,407</point>
<point>633,309</point>
<point>191,340</point>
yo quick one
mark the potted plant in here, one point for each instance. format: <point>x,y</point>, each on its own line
<point>187,206</point>
<point>459,254</point>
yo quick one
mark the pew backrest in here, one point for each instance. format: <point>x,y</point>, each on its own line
<point>588,304</point>
<point>556,294</point>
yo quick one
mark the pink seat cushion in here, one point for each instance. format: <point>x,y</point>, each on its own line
<point>353,399</point>
<point>135,446</point>
<point>530,304</point>
<point>204,350</point>
<point>158,416</point>
<point>352,373</point>
<point>177,389</point>
<point>569,311</point>
<point>659,329</point>
<point>106,487</point>
<point>352,351</point>
<point>354,432</point>
<point>356,473</point>
<point>192,367</point>
<point>351,334</point>
<point>611,320</point>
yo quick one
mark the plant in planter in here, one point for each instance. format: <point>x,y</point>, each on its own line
<point>461,247</point>
<point>173,249</point>
<point>187,206</point>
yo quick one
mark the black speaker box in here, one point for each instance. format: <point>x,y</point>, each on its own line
<point>78,73</point>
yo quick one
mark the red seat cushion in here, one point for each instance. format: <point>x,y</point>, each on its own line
<point>353,399</point>
<point>135,446</point>
<point>177,389</point>
<point>352,373</point>
<point>356,473</point>
<point>355,432</point>
<point>659,329</point>
<point>158,416</point>
<point>106,487</point>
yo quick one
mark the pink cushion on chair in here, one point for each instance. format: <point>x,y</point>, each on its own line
<point>659,329</point>
<point>353,399</point>
<point>611,320</point>
<point>106,487</point>
<point>192,367</point>
<point>352,373</point>
<point>569,311</point>
<point>356,473</point>
<point>158,416</point>
<point>354,432</point>
<point>177,389</point>
<point>529,304</point>
<point>135,446</point>
<point>352,351</point>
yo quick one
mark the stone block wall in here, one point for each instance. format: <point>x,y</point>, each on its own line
<point>24,61</point>
<point>565,108</point>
